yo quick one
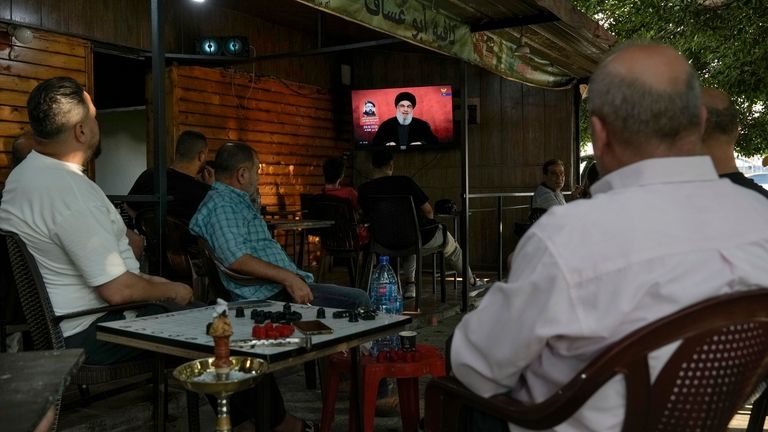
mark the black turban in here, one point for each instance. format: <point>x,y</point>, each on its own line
<point>405,96</point>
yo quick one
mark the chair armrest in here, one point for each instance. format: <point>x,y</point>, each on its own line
<point>238,278</point>
<point>446,397</point>
<point>112,308</point>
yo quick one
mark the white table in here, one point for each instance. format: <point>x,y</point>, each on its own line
<point>182,334</point>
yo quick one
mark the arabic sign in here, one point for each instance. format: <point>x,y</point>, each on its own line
<point>416,22</point>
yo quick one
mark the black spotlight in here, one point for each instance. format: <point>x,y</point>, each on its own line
<point>208,46</point>
<point>235,46</point>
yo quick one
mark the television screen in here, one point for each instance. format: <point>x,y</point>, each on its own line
<point>403,118</point>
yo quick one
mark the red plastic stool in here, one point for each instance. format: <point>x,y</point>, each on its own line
<point>430,361</point>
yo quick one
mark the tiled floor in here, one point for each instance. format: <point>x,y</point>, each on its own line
<point>132,412</point>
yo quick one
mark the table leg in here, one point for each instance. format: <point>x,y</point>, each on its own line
<point>159,384</point>
<point>302,240</point>
<point>356,420</point>
<point>263,416</point>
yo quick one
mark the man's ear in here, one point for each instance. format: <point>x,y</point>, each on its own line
<point>242,175</point>
<point>79,132</point>
<point>599,137</point>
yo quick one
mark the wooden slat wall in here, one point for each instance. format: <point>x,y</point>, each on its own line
<point>290,125</point>
<point>22,67</point>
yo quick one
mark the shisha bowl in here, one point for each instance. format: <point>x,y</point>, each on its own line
<point>200,375</point>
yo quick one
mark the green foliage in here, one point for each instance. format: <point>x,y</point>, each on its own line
<point>725,40</point>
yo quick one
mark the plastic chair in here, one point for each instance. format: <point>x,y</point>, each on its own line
<point>431,362</point>
<point>340,239</point>
<point>395,232</point>
<point>46,333</point>
<point>722,355</point>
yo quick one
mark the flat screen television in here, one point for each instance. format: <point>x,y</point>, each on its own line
<point>375,122</point>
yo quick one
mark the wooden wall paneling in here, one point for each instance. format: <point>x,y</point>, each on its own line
<point>5,9</point>
<point>22,67</point>
<point>27,11</point>
<point>512,125</point>
<point>289,124</point>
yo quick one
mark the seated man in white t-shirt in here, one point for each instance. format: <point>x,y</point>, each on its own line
<point>74,232</point>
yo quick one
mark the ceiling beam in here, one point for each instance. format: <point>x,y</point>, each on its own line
<point>498,24</point>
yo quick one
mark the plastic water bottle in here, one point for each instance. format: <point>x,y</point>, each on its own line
<point>387,298</point>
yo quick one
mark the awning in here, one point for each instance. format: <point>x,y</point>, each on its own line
<point>561,43</point>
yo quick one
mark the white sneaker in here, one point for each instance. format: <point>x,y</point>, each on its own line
<point>410,290</point>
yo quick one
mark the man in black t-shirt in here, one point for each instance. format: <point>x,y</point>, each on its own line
<point>432,234</point>
<point>181,178</point>
<point>720,134</point>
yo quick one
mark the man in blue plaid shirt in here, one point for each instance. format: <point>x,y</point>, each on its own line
<point>239,236</point>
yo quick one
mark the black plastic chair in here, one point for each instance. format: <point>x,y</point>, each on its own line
<point>340,239</point>
<point>722,355</point>
<point>395,232</point>
<point>46,334</point>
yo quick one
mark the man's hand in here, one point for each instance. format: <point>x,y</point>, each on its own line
<point>182,294</point>
<point>299,290</point>
<point>207,175</point>
<point>136,242</point>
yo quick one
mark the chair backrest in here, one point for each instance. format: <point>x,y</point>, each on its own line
<point>722,355</point>
<point>394,227</point>
<point>342,236</point>
<point>214,268</point>
<point>35,302</point>
<point>179,247</point>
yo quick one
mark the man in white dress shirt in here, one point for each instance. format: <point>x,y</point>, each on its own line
<point>661,232</point>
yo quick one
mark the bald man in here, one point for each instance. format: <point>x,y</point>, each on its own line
<point>642,248</point>
<point>720,135</point>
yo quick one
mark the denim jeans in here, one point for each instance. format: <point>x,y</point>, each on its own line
<point>331,296</point>
<point>451,252</point>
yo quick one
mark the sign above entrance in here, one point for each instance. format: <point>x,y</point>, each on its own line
<point>416,22</point>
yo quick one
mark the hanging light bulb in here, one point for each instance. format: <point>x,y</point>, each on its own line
<point>22,35</point>
<point>522,49</point>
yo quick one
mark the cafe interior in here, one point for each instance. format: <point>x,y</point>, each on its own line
<point>290,79</point>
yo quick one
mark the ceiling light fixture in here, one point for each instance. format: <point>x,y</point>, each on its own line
<point>522,49</point>
<point>22,35</point>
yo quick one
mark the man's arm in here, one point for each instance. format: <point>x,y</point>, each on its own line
<point>252,266</point>
<point>427,211</point>
<point>533,306</point>
<point>130,287</point>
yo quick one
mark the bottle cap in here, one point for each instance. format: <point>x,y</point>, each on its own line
<point>383,259</point>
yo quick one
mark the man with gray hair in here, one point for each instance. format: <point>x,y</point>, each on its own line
<point>720,135</point>
<point>404,129</point>
<point>653,247</point>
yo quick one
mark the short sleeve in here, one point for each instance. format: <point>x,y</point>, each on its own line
<point>89,237</point>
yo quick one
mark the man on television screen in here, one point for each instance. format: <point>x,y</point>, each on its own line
<point>369,109</point>
<point>404,129</point>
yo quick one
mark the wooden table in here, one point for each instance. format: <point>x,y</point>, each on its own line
<point>295,225</point>
<point>183,334</point>
<point>31,384</point>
